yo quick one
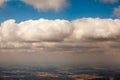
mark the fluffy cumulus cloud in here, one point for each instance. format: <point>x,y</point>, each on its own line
<point>110,1</point>
<point>117,11</point>
<point>35,30</point>
<point>60,30</point>
<point>47,4</point>
<point>90,28</point>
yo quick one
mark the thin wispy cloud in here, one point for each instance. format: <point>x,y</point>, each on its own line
<point>110,1</point>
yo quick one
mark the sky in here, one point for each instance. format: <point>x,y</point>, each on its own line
<point>59,20</point>
<point>54,26</point>
<point>22,10</point>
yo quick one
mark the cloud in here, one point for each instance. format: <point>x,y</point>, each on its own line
<point>2,2</point>
<point>35,30</point>
<point>47,4</point>
<point>117,11</point>
<point>95,28</point>
<point>60,30</point>
<point>110,1</point>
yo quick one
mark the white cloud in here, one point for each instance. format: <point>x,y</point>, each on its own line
<point>60,30</point>
<point>117,11</point>
<point>110,1</point>
<point>47,4</point>
<point>95,28</point>
<point>36,30</point>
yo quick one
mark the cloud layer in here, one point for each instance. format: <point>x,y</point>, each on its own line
<point>47,4</point>
<point>60,30</point>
